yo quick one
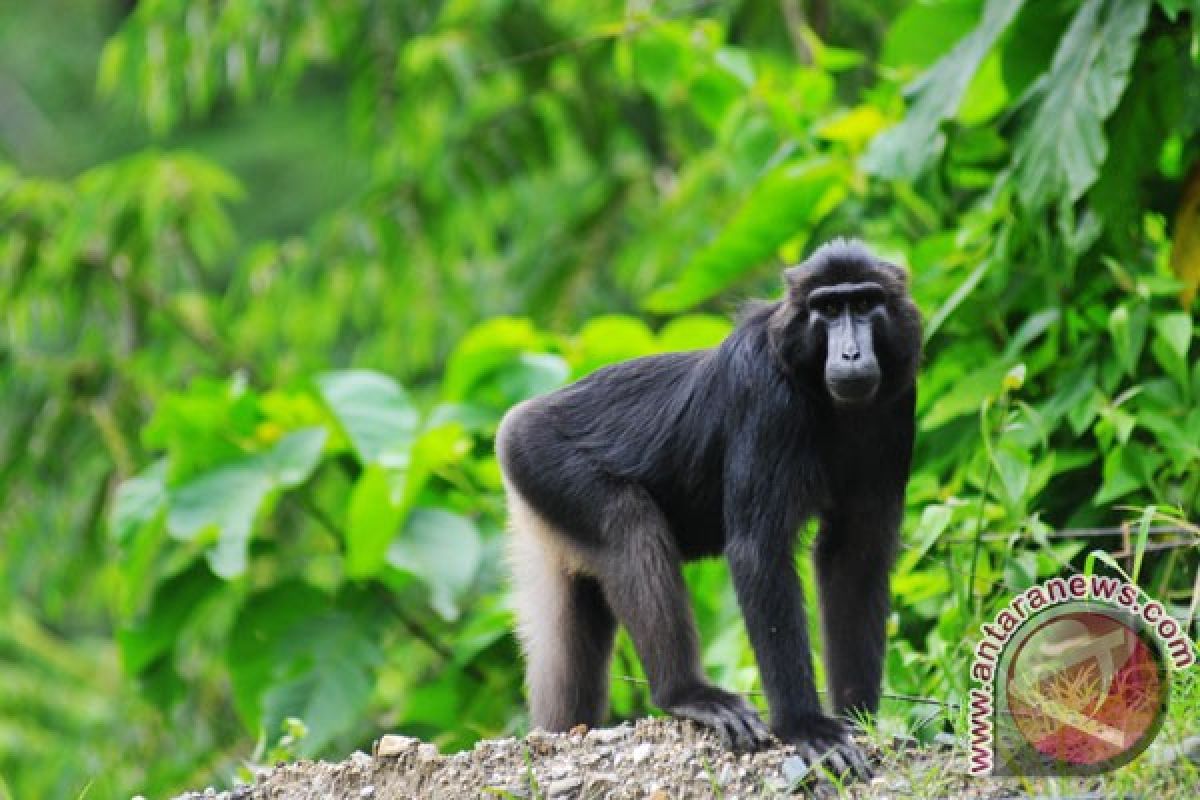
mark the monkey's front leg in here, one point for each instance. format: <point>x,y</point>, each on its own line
<point>643,582</point>
<point>772,603</point>
<point>853,554</point>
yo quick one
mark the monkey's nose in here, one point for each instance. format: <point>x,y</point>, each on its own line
<point>851,354</point>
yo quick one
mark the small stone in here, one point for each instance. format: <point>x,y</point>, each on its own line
<point>796,770</point>
<point>391,745</point>
<point>600,781</point>
<point>660,794</point>
<point>541,742</point>
<point>609,735</point>
<point>642,753</point>
<point>210,792</point>
<point>564,787</point>
<point>427,753</point>
<point>366,792</point>
<point>579,730</point>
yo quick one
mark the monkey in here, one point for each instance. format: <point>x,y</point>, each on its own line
<point>804,411</point>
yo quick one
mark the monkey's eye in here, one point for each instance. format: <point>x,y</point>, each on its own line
<point>827,306</point>
<point>861,305</point>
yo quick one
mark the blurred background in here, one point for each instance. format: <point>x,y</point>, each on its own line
<point>272,270</point>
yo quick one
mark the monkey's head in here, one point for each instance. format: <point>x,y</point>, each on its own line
<point>849,324</point>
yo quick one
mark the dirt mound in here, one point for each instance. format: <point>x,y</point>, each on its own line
<point>656,758</point>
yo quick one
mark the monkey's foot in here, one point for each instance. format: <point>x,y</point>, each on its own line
<point>733,719</point>
<point>824,741</point>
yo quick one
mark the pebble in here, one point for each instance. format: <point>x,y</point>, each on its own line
<point>427,753</point>
<point>366,791</point>
<point>642,752</point>
<point>391,745</point>
<point>796,770</point>
<point>564,787</point>
<point>609,735</point>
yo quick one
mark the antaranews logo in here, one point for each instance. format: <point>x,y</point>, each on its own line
<point>1072,678</point>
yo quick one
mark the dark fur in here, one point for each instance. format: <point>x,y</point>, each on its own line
<point>728,451</point>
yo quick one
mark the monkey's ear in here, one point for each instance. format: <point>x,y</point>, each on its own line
<point>897,270</point>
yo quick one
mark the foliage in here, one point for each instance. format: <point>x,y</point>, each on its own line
<point>246,459</point>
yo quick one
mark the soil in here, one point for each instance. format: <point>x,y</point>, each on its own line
<point>655,759</point>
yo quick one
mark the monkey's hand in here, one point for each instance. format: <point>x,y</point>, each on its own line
<point>824,741</point>
<point>733,719</point>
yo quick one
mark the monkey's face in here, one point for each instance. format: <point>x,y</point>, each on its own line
<point>848,315</point>
<point>848,324</point>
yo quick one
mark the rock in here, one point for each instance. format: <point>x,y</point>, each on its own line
<point>427,753</point>
<point>609,735</point>
<point>642,753</point>
<point>566,787</point>
<point>796,770</point>
<point>392,745</point>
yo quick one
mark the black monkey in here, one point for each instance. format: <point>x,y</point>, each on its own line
<point>806,409</point>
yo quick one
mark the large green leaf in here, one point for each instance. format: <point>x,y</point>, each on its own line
<point>1148,112</point>
<point>222,504</point>
<point>443,549</point>
<point>907,149</point>
<point>784,205</point>
<point>293,652</point>
<point>225,501</point>
<point>486,348</point>
<point>138,500</point>
<point>375,413</point>
<point>1059,155</point>
<point>329,681</point>
<point>923,32</point>
<point>175,600</point>
<point>374,515</point>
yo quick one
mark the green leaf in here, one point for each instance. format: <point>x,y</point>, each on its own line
<point>1013,464</point>
<point>294,653</point>
<point>1147,115</point>
<point>693,332</point>
<point>374,516</point>
<point>956,298</point>
<point>923,32</point>
<point>441,548</point>
<point>137,501</point>
<point>1143,535</point>
<point>1060,153</point>
<point>175,600</point>
<point>1128,332</point>
<point>528,375</point>
<point>375,413</point>
<point>1170,347</point>
<point>266,619</point>
<point>294,457</point>
<point>785,204</point>
<point>907,149</point>
<point>1176,331</point>
<point>608,339</point>
<point>224,503</point>
<point>484,349</point>
<point>329,684</point>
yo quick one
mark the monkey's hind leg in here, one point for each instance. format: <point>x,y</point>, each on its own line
<point>565,626</point>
